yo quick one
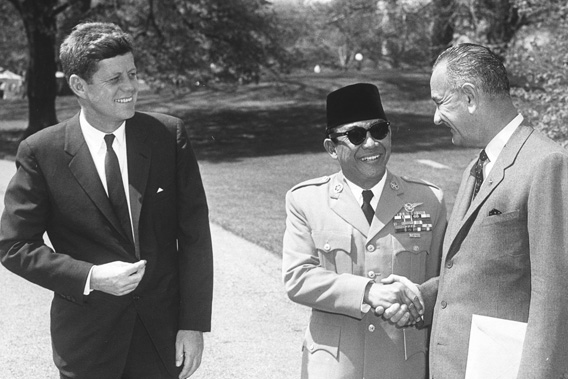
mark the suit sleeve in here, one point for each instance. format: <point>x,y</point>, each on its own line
<point>24,222</point>
<point>194,238</point>
<point>429,289</point>
<point>546,339</point>
<point>308,283</point>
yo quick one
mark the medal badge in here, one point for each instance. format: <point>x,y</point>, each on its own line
<point>412,221</point>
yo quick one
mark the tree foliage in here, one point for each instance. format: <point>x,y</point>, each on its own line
<point>184,42</point>
<point>180,42</point>
<point>13,44</point>
<point>385,32</point>
<point>539,55</point>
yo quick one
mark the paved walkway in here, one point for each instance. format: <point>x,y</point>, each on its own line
<point>257,331</point>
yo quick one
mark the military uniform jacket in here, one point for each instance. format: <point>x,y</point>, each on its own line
<point>331,253</point>
<point>506,256</point>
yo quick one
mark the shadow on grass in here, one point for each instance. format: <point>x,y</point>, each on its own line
<point>274,118</point>
<point>232,135</point>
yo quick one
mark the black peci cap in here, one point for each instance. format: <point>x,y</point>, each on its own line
<point>357,102</point>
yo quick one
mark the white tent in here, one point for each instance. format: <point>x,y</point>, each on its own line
<point>11,85</point>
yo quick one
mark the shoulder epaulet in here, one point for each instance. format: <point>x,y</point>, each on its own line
<point>312,182</point>
<point>419,181</point>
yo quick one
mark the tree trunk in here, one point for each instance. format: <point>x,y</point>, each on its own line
<point>40,24</point>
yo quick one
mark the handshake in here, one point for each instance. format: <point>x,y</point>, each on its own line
<point>397,299</point>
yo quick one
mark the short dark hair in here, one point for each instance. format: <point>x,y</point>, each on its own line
<point>468,62</point>
<point>88,44</point>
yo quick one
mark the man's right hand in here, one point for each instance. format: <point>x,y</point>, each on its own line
<point>401,303</point>
<point>117,278</point>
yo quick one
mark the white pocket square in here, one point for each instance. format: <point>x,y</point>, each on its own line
<point>160,190</point>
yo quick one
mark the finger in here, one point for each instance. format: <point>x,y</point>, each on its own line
<point>379,310</point>
<point>388,280</point>
<point>391,311</point>
<point>179,353</point>
<point>398,315</point>
<point>414,312</point>
<point>404,320</point>
<point>190,366</point>
<point>411,298</point>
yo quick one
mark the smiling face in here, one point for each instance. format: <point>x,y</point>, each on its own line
<point>363,164</point>
<point>110,96</point>
<point>453,109</point>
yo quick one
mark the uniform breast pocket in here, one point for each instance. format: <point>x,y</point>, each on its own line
<point>409,256</point>
<point>334,250</point>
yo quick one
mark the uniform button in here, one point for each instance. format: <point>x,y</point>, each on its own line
<point>416,248</point>
<point>311,347</point>
<point>371,274</point>
<point>444,304</point>
<point>371,328</point>
<point>136,297</point>
<point>327,247</point>
<point>371,248</point>
<point>449,264</point>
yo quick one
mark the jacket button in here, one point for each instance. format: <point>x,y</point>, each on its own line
<point>311,347</point>
<point>371,248</point>
<point>371,328</point>
<point>449,264</point>
<point>444,304</point>
<point>371,274</point>
<point>327,247</point>
<point>136,297</point>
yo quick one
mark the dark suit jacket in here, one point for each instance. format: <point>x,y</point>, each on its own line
<point>57,189</point>
<point>506,256</point>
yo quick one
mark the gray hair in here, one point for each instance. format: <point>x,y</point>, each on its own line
<point>476,64</point>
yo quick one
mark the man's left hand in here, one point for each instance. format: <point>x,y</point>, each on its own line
<point>189,349</point>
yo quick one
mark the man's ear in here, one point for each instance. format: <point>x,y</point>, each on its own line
<point>78,85</point>
<point>470,94</point>
<point>330,147</point>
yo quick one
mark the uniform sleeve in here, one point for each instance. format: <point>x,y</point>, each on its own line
<point>306,282</point>
<point>429,289</point>
<point>546,339</point>
<point>24,222</point>
<point>194,238</point>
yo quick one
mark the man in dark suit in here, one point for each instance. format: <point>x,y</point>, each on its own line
<point>505,249</point>
<point>120,196</point>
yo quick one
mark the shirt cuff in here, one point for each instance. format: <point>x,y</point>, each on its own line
<point>88,289</point>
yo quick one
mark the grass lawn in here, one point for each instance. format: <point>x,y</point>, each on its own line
<point>255,142</point>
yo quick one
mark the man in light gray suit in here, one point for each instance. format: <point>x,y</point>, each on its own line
<point>505,252</point>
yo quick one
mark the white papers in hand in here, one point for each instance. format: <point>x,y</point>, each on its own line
<point>495,348</point>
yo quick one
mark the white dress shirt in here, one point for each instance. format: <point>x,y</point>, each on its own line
<point>97,147</point>
<point>496,145</point>
<point>377,190</point>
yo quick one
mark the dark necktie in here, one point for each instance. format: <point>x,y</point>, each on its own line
<point>116,193</point>
<point>477,172</point>
<point>366,207</point>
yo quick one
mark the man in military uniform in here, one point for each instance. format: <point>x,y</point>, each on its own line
<point>346,234</point>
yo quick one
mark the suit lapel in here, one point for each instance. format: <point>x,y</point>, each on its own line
<point>343,202</point>
<point>390,203</point>
<point>462,203</point>
<point>505,160</point>
<point>139,153</point>
<point>83,169</point>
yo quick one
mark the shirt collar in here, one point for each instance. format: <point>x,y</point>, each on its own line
<point>498,142</point>
<point>95,136</point>
<point>377,189</point>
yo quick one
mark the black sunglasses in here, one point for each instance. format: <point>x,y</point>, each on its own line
<point>379,130</point>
